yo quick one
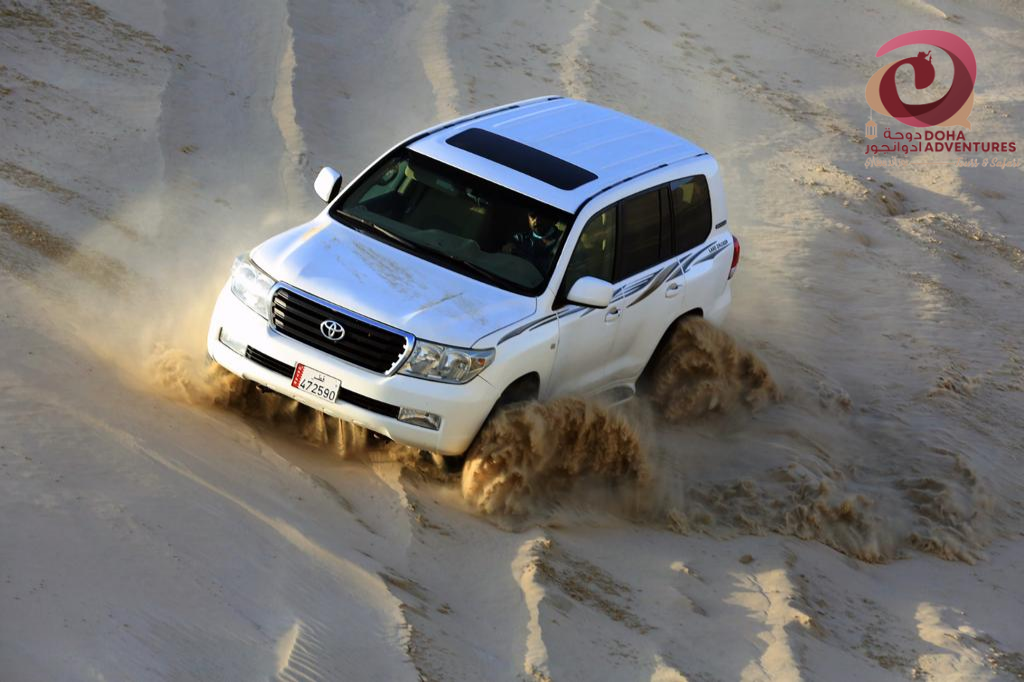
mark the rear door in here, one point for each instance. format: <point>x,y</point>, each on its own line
<point>690,203</point>
<point>665,267</point>
<point>645,296</point>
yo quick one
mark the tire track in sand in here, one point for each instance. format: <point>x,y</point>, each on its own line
<point>524,569</point>
<point>574,68</point>
<point>362,587</point>
<point>436,62</point>
<point>282,107</point>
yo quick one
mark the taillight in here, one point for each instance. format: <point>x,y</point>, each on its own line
<point>735,256</point>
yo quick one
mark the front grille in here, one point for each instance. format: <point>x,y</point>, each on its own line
<point>365,344</point>
<point>344,394</point>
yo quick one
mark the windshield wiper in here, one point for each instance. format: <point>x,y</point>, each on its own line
<point>483,272</point>
<point>408,243</point>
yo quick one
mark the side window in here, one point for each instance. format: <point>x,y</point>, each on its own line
<point>595,251</point>
<point>691,212</point>
<point>640,234</point>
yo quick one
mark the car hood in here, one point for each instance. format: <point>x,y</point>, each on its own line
<point>384,283</point>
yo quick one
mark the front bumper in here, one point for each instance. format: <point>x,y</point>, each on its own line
<point>463,407</point>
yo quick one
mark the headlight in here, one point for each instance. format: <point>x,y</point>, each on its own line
<point>444,363</point>
<point>251,285</point>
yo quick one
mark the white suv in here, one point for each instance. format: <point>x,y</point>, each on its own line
<point>533,250</point>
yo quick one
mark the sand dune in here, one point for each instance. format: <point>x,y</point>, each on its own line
<point>828,488</point>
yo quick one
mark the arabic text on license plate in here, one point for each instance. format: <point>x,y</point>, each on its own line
<point>316,383</point>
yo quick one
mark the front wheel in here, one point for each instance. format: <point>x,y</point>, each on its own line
<point>521,390</point>
<point>698,369</point>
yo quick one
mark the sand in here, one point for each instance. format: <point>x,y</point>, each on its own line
<point>827,488</point>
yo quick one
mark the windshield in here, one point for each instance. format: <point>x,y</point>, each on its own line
<point>459,220</point>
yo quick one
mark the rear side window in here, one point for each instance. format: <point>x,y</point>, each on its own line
<point>595,251</point>
<point>639,234</point>
<point>691,212</point>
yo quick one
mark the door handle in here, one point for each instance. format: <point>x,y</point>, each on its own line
<point>612,315</point>
<point>672,290</point>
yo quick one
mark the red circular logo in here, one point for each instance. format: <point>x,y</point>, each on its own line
<point>952,108</point>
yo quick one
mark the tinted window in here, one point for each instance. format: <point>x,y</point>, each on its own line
<point>639,234</point>
<point>691,212</point>
<point>457,219</point>
<point>595,251</point>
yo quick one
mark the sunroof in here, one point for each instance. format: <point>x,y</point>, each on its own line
<point>521,157</point>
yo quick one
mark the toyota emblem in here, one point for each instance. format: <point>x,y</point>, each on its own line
<point>332,330</point>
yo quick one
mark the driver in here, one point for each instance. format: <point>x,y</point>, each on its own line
<point>532,241</point>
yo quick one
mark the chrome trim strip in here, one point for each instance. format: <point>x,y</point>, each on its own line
<point>410,340</point>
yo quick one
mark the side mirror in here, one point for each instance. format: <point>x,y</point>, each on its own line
<point>327,184</point>
<point>592,292</point>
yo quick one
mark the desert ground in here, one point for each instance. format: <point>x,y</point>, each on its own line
<point>159,522</point>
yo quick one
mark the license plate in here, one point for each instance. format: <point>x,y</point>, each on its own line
<point>315,382</point>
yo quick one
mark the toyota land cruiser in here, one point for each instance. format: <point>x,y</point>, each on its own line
<point>532,250</point>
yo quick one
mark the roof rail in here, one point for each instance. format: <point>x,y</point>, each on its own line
<point>633,177</point>
<point>479,115</point>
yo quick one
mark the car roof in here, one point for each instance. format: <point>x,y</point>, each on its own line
<point>558,150</point>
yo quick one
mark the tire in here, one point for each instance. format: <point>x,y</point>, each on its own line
<point>521,390</point>
<point>646,380</point>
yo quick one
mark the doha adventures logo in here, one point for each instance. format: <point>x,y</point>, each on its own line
<point>953,108</point>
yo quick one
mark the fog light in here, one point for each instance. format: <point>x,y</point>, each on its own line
<point>427,420</point>
<point>234,344</point>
